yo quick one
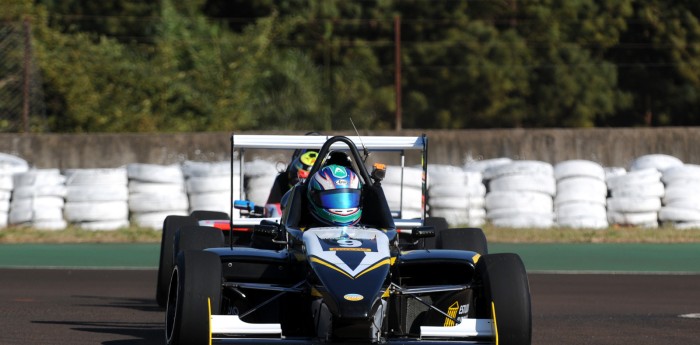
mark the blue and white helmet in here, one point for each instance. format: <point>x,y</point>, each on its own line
<point>334,194</point>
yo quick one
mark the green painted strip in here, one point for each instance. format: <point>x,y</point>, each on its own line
<point>606,257</point>
<point>112,255</point>
<point>603,257</point>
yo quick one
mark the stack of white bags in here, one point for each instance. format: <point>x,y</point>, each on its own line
<point>456,195</point>
<point>9,165</point>
<point>581,195</point>
<point>409,199</point>
<point>208,185</point>
<point>259,176</point>
<point>681,202</point>
<point>96,199</point>
<point>155,192</point>
<point>635,197</point>
<point>520,194</point>
<point>38,199</point>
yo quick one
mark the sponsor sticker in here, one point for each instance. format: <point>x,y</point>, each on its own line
<point>353,297</point>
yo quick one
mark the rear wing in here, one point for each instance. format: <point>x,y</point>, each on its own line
<point>293,142</point>
<point>399,144</point>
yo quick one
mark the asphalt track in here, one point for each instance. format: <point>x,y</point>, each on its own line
<point>87,306</point>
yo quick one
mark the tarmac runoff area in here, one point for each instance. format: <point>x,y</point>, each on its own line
<point>682,258</point>
<point>104,294</point>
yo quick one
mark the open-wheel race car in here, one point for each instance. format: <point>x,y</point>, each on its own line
<point>375,279</point>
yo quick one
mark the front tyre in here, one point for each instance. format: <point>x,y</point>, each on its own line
<point>505,297</point>
<point>194,294</point>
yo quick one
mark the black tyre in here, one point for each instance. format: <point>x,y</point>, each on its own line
<point>472,239</point>
<point>440,224</point>
<point>505,297</point>
<point>195,237</point>
<point>166,261</point>
<point>209,215</point>
<point>194,294</point>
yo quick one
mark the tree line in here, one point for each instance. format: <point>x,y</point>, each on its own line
<point>209,65</point>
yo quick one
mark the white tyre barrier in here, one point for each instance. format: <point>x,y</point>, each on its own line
<point>155,173</point>
<point>138,187</point>
<point>525,167</point>
<point>582,184</point>
<point>634,179</point>
<point>408,197</point>
<point>82,193</point>
<point>450,203</point>
<point>524,220</point>
<point>482,165</point>
<point>682,174</point>
<point>261,167</point>
<point>533,183</point>
<point>412,177</point>
<point>30,215</point>
<point>77,212</point>
<point>257,189</point>
<point>634,204</point>
<point>583,223</point>
<point>104,225</point>
<point>52,224</point>
<point>651,189</point>
<point>39,177</point>
<point>581,210</point>
<point>677,214</point>
<point>141,203</point>
<point>644,219</point>
<point>58,190</point>
<point>209,169</point>
<point>207,184</point>
<point>154,220</point>
<point>657,161</point>
<point>10,164</point>
<point>579,168</point>
<point>522,200</point>
<point>92,177</point>
<point>579,194</point>
<point>6,182</point>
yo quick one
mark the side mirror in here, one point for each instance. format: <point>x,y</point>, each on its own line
<point>249,208</point>
<point>422,232</point>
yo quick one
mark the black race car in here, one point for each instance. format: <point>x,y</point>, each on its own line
<point>374,283</point>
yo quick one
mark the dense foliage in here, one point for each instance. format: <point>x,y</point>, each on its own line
<point>203,65</point>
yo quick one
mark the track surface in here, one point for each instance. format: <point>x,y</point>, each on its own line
<point>40,306</point>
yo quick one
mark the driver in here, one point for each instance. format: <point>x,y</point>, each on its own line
<point>334,195</point>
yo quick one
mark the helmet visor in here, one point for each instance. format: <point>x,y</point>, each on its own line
<point>337,199</point>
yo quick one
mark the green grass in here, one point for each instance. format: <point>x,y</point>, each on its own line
<point>497,235</point>
<point>74,234</point>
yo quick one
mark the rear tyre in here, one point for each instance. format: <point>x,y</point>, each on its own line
<point>194,294</point>
<point>505,297</point>
<point>472,239</point>
<point>209,215</point>
<point>167,254</point>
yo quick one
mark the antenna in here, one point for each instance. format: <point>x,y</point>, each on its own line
<point>364,149</point>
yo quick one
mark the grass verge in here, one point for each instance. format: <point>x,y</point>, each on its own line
<point>497,235</point>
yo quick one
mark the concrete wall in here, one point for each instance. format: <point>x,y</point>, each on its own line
<point>607,146</point>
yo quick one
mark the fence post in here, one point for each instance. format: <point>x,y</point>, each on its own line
<point>26,73</point>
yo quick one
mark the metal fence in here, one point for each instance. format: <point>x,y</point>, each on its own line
<point>22,107</point>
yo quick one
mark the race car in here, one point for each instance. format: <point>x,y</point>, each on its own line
<point>347,284</point>
<point>172,241</point>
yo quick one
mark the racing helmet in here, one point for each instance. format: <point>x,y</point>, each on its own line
<point>301,165</point>
<point>334,195</point>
